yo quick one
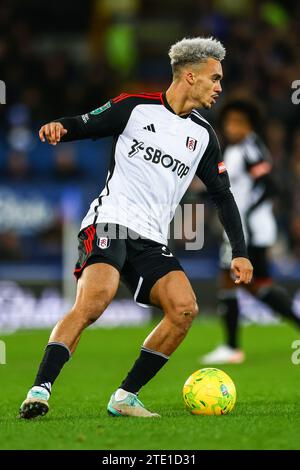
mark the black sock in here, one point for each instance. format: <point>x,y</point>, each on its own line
<point>278,299</point>
<point>229,309</point>
<point>56,355</point>
<point>143,370</point>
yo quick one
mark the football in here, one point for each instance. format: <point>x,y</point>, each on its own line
<point>209,391</point>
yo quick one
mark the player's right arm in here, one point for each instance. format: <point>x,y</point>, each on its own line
<point>52,132</point>
<point>213,173</point>
<point>108,120</point>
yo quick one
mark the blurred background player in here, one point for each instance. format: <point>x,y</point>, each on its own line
<point>249,166</point>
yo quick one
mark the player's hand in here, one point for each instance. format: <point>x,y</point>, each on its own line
<point>53,132</point>
<point>242,270</point>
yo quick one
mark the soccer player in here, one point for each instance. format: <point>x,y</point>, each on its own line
<point>249,166</point>
<point>160,143</point>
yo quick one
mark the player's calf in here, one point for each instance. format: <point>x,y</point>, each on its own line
<point>157,347</point>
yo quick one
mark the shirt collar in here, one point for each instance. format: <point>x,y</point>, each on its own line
<point>169,108</point>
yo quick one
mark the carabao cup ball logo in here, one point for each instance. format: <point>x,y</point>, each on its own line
<point>209,392</point>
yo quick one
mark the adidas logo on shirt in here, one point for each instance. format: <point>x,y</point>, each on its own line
<point>150,128</point>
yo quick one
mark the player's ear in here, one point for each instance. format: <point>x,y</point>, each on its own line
<point>190,77</point>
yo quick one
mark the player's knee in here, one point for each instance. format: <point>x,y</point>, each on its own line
<point>184,313</point>
<point>90,310</point>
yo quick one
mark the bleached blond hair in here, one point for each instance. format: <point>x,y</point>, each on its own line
<point>193,51</point>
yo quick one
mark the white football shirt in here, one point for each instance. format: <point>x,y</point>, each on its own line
<point>155,156</point>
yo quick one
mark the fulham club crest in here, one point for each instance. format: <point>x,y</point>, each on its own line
<point>103,242</point>
<point>191,143</point>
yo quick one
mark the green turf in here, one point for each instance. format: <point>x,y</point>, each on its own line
<point>266,416</point>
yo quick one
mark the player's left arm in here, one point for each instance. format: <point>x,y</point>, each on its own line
<point>212,172</point>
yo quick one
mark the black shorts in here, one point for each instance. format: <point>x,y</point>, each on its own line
<point>141,262</point>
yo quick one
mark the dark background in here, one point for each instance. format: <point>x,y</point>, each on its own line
<point>64,58</point>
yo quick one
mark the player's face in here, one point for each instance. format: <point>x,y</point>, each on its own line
<point>207,84</point>
<point>236,126</point>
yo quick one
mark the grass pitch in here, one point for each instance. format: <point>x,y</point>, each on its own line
<point>266,415</point>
